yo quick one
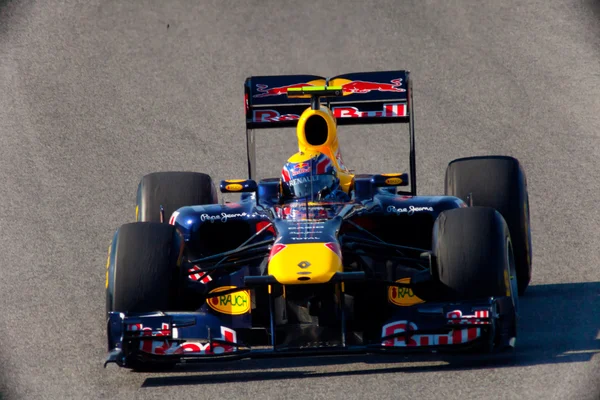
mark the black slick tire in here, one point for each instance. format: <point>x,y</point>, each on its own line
<point>498,182</point>
<point>142,268</point>
<point>475,260</point>
<point>142,274</point>
<point>471,247</point>
<point>172,190</point>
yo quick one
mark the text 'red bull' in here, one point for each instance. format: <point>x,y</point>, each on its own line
<point>166,347</point>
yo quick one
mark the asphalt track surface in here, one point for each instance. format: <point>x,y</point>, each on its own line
<point>94,94</point>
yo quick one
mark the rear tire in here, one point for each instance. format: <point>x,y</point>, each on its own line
<point>498,182</point>
<point>172,190</point>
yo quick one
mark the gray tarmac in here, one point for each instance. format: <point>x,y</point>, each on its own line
<point>94,94</point>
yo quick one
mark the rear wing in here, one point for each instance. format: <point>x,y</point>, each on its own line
<point>366,98</point>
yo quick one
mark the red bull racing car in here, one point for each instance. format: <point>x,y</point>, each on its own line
<point>320,260</point>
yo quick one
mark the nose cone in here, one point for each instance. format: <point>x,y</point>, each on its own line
<point>305,263</point>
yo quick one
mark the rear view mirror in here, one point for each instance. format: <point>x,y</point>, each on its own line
<point>238,186</point>
<point>390,180</point>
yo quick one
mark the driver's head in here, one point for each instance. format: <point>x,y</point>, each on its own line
<point>306,175</point>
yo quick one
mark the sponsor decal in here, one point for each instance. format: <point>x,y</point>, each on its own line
<point>277,247</point>
<point>227,334</point>
<point>303,230</point>
<point>224,217</point>
<point>300,168</point>
<point>272,116</point>
<point>306,179</point>
<point>403,297</point>
<point>202,277</point>
<point>348,87</point>
<point>300,171</point>
<point>480,317</point>
<point>296,230</point>
<point>261,224</point>
<point>335,247</point>
<point>393,181</point>
<point>408,210</point>
<point>340,161</point>
<point>456,336</point>
<point>166,347</point>
<point>152,346</point>
<point>389,111</point>
<point>234,187</point>
<point>173,218</point>
<point>236,303</point>
<point>265,91</point>
<point>362,87</point>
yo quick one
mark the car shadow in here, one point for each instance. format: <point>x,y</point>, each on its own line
<point>558,323</point>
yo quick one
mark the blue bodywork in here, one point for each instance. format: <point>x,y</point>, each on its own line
<point>176,336</point>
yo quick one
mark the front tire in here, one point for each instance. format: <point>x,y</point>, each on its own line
<point>471,247</point>
<point>475,260</point>
<point>142,270</point>
<point>142,274</point>
<point>498,182</point>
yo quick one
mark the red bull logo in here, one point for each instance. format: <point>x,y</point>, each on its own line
<point>348,87</point>
<point>300,168</point>
<point>363,87</point>
<point>456,336</point>
<point>265,91</point>
<point>272,116</point>
<point>391,110</point>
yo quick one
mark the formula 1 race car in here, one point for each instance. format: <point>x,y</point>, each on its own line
<point>280,273</point>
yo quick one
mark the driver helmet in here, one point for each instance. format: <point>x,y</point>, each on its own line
<point>309,176</point>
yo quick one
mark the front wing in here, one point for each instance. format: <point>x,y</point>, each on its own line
<point>187,337</point>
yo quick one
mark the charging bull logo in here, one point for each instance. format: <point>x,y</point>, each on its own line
<point>236,303</point>
<point>361,87</point>
<point>301,168</point>
<point>266,91</point>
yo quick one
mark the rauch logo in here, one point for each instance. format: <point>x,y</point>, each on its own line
<point>403,296</point>
<point>236,303</point>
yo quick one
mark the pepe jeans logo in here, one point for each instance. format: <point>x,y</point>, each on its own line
<point>223,217</point>
<point>407,210</point>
